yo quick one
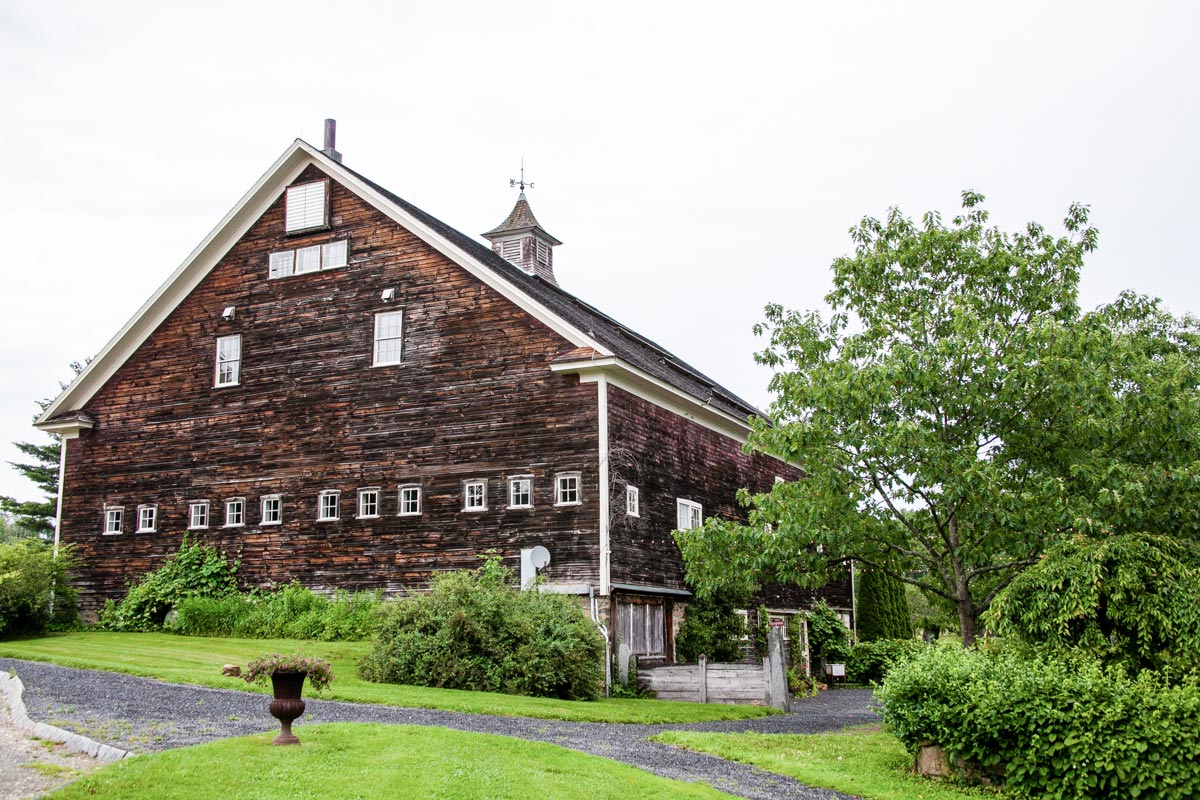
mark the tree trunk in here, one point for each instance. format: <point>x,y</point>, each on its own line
<point>966,619</point>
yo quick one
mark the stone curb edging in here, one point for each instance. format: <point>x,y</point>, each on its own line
<point>12,689</point>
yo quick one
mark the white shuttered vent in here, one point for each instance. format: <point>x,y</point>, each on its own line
<point>306,206</point>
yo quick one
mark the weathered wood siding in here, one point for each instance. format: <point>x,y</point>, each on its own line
<point>739,684</point>
<point>670,457</point>
<point>474,398</point>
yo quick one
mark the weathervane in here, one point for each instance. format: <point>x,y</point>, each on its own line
<point>514,182</point>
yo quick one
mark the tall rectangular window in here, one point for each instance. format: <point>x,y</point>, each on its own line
<point>632,501</point>
<point>410,500</point>
<point>235,512</point>
<point>272,509</point>
<point>229,360</point>
<point>520,492</point>
<point>147,519</point>
<point>475,495</point>
<point>307,206</point>
<point>566,489</point>
<point>688,514</point>
<point>368,503</point>
<point>114,519</point>
<point>389,326</point>
<point>328,503</point>
<point>198,514</point>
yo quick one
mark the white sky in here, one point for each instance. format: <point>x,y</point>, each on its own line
<point>698,159</point>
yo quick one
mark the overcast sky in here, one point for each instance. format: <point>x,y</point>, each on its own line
<point>698,159</point>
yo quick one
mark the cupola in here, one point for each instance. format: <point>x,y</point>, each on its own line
<point>521,240</point>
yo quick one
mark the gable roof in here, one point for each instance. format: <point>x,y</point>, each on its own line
<point>641,365</point>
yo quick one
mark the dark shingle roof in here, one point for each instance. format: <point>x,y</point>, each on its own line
<point>622,341</point>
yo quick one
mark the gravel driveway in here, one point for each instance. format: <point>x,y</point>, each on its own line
<point>145,715</point>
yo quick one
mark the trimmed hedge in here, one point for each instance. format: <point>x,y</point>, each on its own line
<point>1050,725</point>
<point>475,630</point>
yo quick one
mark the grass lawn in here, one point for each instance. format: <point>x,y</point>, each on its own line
<point>196,660</point>
<point>862,761</point>
<point>377,761</point>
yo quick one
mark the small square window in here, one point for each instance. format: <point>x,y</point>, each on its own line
<point>114,519</point>
<point>235,512</point>
<point>632,501</point>
<point>389,327</point>
<point>198,514</point>
<point>688,514</point>
<point>475,495</point>
<point>282,264</point>
<point>368,503</point>
<point>333,254</point>
<point>410,500</point>
<point>328,505</point>
<point>272,509</point>
<point>229,360</point>
<point>520,492</point>
<point>566,491</point>
<point>308,259</point>
<point>307,206</point>
<point>147,519</point>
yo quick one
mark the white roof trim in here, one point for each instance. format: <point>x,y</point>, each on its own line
<point>637,382</point>
<point>201,261</point>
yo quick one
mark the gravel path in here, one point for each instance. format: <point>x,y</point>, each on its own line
<point>145,715</point>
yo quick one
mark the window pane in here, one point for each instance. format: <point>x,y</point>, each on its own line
<point>333,254</point>
<point>281,264</point>
<point>229,360</point>
<point>388,339</point>
<point>308,259</point>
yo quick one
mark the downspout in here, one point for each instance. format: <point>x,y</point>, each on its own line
<point>853,604</point>
<point>62,478</point>
<point>607,641</point>
<point>605,489</point>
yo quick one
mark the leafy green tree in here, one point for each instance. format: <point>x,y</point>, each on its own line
<point>41,467</point>
<point>882,607</point>
<point>956,412</point>
<point>827,636</point>
<point>712,627</point>
<point>1132,598</point>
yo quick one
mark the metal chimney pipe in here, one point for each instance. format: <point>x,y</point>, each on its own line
<point>330,148</point>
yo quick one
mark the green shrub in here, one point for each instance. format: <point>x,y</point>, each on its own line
<point>828,638</point>
<point>1056,725</point>
<point>869,662</point>
<point>474,630</point>
<point>194,571</point>
<point>29,577</point>
<point>292,612</point>
<point>712,627</point>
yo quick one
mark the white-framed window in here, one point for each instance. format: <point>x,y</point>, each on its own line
<point>520,491</point>
<point>368,502</point>
<point>632,502</point>
<point>329,505</point>
<point>147,518</point>
<point>197,514</point>
<point>235,512</point>
<point>389,327</point>
<point>114,519</point>
<point>566,489</point>
<point>272,509</point>
<point>475,495</point>
<point>330,255</point>
<point>410,500</point>
<point>307,206</point>
<point>688,514</point>
<point>229,360</point>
